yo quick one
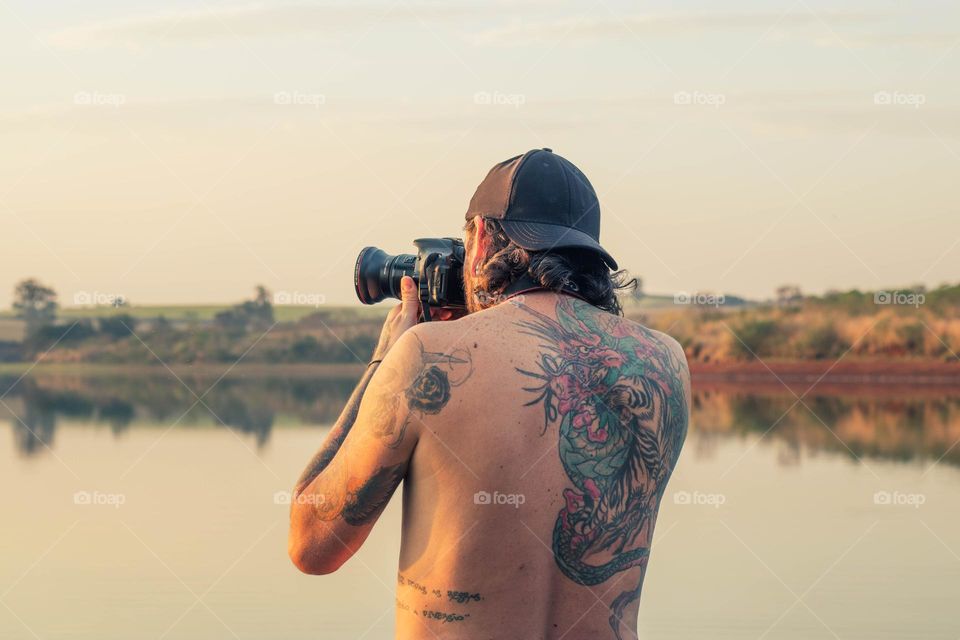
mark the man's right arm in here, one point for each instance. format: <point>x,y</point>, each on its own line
<point>351,479</point>
<point>337,434</point>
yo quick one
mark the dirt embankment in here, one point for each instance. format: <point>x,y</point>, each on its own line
<point>845,375</point>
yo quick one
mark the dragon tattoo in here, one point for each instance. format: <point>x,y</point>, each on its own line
<point>617,393</point>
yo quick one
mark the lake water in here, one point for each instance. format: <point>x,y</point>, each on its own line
<point>128,514</point>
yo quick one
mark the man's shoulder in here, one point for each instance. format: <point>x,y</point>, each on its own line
<point>437,335</point>
<point>669,342</point>
<point>448,334</point>
<point>659,339</point>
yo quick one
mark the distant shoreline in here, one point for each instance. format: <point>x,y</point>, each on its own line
<point>844,372</point>
<point>801,374</point>
<point>207,369</point>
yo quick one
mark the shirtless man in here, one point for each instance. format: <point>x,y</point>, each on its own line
<point>534,436</point>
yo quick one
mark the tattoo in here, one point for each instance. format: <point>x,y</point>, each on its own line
<point>616,393</point>
<point>444,617</point>
<point>403,580</point>
<point>458,597</point>
<point>424,389</point>
<point>463,596</point>
<point>367,502</point>
<point>430,392</point>
<point>432,615</point>
<point>338,434</point>
<point>435,375</point>
<point>358,503</point>
<point>361,501</point>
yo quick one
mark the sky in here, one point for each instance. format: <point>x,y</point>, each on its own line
<point>183,152</point>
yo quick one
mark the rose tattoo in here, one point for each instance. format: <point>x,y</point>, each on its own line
<point>430,392</point>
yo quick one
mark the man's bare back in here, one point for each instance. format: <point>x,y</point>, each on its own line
<point>534,436</point>
<point>535,440</point>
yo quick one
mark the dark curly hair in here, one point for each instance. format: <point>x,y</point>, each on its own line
<point>581,270</point>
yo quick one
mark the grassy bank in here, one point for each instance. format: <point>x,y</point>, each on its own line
<point>203,370</point>
<point>811,332</point>
<point>856,326</point>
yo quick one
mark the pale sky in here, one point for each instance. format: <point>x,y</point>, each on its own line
<point>181,152</point>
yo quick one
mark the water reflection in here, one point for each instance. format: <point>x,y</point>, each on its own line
<point>249,405</point>
<point>880,422</point>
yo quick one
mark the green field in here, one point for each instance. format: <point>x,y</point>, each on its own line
<point>200,313</point>
<point>10,327</point>
<point>214,370</point>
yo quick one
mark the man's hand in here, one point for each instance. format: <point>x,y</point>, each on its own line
<point>401,317</point>
<point>405,315</point>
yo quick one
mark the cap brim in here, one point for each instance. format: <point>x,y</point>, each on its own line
<point>539,236</point>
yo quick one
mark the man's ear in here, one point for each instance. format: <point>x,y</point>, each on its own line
<point>481,242</point>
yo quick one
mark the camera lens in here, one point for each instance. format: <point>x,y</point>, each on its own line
<point>377,274</point>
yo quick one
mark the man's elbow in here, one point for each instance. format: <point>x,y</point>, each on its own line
<point>310,555</point>
<point>308,561</point>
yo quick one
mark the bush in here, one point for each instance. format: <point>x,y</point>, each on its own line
<point>306,349</point>
<point>45,337</point>
<point>852,302</point>
<point>824,342</point>
<point>119,326</point>
<point>912,337</point>
<point>755,338</point>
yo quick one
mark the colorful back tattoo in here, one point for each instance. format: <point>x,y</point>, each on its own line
<point>616,394</point>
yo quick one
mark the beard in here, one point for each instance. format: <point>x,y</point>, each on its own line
<point>477,296</point>
<point>472,295</point>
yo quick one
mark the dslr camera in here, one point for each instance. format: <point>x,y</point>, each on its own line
<point>437,268</point>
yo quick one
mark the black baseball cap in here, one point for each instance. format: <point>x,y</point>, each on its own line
<point>542,201</point>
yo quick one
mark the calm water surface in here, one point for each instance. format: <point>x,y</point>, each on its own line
<point>131,511</point>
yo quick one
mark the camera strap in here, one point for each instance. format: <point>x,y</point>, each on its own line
<point>526,284</point>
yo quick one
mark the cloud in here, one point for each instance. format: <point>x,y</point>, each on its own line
<point>202,25</point>
<point>922,40</point>
<point>572,29</point>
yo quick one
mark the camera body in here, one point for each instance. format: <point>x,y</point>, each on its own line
<point>437,268</point>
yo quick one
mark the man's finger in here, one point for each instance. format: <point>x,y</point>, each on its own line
<point>409,299</point>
